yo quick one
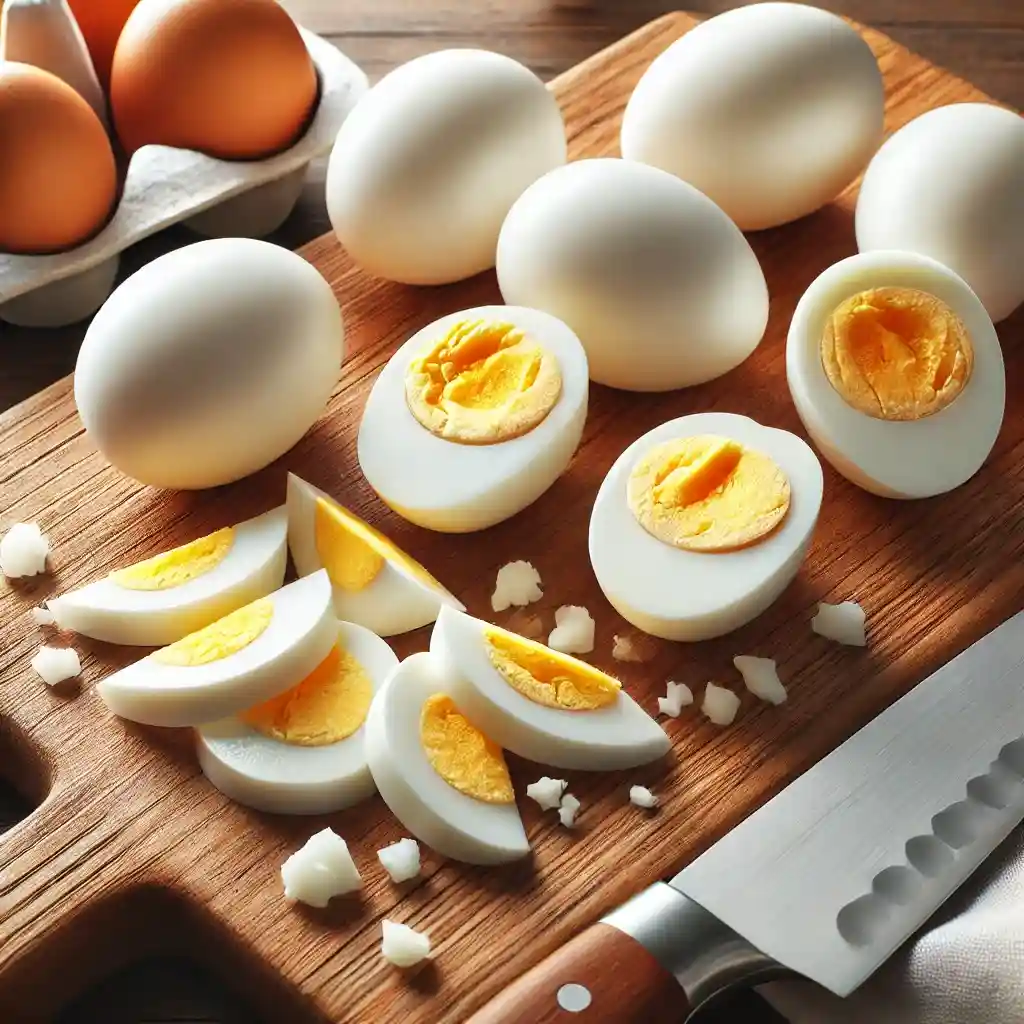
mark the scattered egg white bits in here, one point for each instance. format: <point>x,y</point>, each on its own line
<point>23,551</point>
<point>517,583</point>
<point>897,374</point>
<point>444,780</point>
<point>677,696</point>
<point>164,598</point>
<point>376,584</point>
<point>573,632</point>
<point>401,860</point>
<point>702,523</point>
<point>626,648</point>
<point>403,946</point>
<point>43,617</point>
<point>641,796</point>
<point>720,704</point>
<point>843,623</point>
<point>56,664</point>
<point>301,751</point>
<point>761,677</point>
<point>475,417</point>
<point>568,809</point>
<point>250,655</point>
<point>547,793</point>
<point>541,704</point>
<point>322,869</point>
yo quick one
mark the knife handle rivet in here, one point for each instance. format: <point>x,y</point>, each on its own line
<point>573,998</point>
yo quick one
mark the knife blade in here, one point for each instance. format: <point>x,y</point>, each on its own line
<point>829,877</point>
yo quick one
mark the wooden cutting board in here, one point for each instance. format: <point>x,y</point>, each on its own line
<point>131,852</point>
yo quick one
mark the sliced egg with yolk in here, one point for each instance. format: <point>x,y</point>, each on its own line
<point>302,751</point>
<point>164,598</point>
<point>475,417</point>
<point>445,780</point>
<point>701,524</point>
<point>249,656</point>
<point>376,584</point>
<point>541,704</point>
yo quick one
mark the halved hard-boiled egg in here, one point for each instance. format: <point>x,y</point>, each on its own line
<point>301,752</point>
<point>249,656</point>
<point>164,598</point>
<point>444,780</point>
<point>539,703</point>
<point>701,523</point>
<point>896,371</point>
<point>475,417</point>
<point>376,584</point>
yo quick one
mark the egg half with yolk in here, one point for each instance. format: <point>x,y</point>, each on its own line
<point>896,371</point>
<point>249,656</point>
<point>702,523</point>
<point>444,780</point>
<point>376,584</point>
<point>540,704</point>
<point>301,752</point>
<point>164,598</point>
<point>475,417</point>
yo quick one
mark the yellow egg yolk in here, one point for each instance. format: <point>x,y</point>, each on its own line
<point>708,494</point>
<point>328,706</point>
<point>896,353</point>
<point>177,566</point>
<point>461,754</point>
<point>548,677</point>
<point>220,639</point>
<point>482,383</point>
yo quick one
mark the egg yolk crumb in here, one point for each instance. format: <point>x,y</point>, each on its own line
<point>708,494</point>
<point>328,706</point>
<point>896,353</point>
<point>220,639</point>
<point>482,383</point>
<point>547,677</point>
<point>177,566</point>
<point>461,754</point>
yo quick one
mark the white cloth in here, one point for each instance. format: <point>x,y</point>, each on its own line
<point>966,968</point>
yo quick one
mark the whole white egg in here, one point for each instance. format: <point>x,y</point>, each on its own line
<point>770,109</point>
<point>428,163</point>
<point>209,363</point>
<point>950,185</point>
<point>660,286</point>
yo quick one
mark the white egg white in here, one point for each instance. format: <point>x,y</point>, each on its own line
<point>690,595</point>
<point>457,488</point>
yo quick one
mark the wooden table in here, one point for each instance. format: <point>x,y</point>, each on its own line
<point>982,41</point>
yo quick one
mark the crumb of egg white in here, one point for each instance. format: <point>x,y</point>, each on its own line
<point>573,632</point>
<point>761,678</point>
<point>43,616</point>
<point>843,623</point>
<point>401,860</point>
<point>547,792</point>
<point>568,808</point>
<point>401,945</point>
<point>625,648</point>
<point>23,551</point>
<point>320,870</point>
<point>56,665</point>
<point>677,696</point>
<point>517,583</point>
<point>641,796</point>
<point>720,704</point>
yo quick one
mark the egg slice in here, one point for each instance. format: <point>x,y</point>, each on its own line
<point>249,656</point>
<point>444,780</point>
<point>896,371</point>
<point>376,584</point>
<point>539,703</point>
<point>701,523</point>
<point>475,417</point>
<point>168,596</point>
<point>301,752</point>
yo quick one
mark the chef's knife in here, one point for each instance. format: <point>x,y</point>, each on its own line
<point>825,880</point>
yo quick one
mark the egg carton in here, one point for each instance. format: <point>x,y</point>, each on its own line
<point>166,186</point>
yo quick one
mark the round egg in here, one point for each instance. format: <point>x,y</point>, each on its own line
<point>896,371</point>
<point>541,704</point>
<point>376,584</point>
<point>164,598</point>
<point>302,752</point>
<point>660,286</point>
<point>475,417</point>
<point>702,523</point>
<point>429,162</point>
<point>950,185</point>
<point>444,780</point>
<point>248,656</point>
<point>209,363</point>
<point>771,110</point>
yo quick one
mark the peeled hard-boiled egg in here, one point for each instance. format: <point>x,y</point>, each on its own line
<point>158,601</point>
<point>444,780</point>
<point>660,286</point>
<point>376,584</point>
<point>475,417</point>
<point>301,752</point>
<point>250,655</point>
<point>538,703</point>
<point>702,523</point>
<point>896,371</point>
<point>429,162</point>
<point>950,185</point>
<point>209,363</point>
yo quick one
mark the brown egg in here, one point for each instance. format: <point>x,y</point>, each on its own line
<point>58,179</point>
<point>230,78</point>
